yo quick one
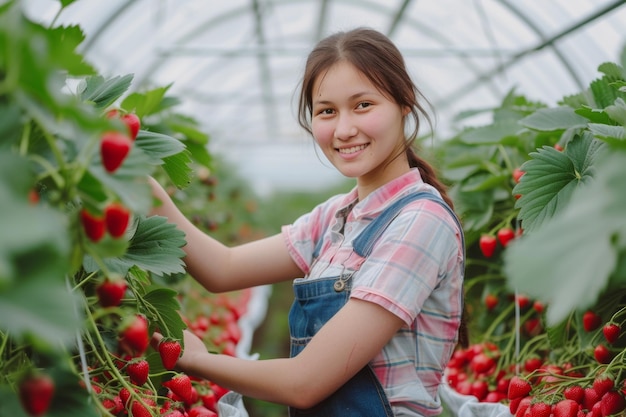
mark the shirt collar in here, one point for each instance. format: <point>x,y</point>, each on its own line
<point>382,197</point>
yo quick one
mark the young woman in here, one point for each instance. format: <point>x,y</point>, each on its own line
<point>379,293</point>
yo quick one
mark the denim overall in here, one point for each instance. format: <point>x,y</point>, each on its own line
<point>317,300</point>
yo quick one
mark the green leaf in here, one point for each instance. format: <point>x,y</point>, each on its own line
<point>551,119</point>
<point>166,307</point>
<point>584,234</point>
<point>155,247</point>
<point>145,104</point>
<point>491,134</point>
<point>604,132</point>
<point>551,177</point>
<point>617,111</point>
<point>103,92</point>
<point>158,146</point>
<point>178,167</point>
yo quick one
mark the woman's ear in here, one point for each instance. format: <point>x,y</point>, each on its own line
<point>406,110</point>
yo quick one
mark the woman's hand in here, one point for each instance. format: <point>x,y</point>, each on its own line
<point>194,351</point>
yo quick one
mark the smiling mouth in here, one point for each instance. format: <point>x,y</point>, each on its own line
<point>353,149</point>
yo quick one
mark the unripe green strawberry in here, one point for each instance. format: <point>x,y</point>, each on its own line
<point>114,147</point>
<point>93,225</point>
<point>36,392</point>
<point>170,352</point>
<point>116,217</point>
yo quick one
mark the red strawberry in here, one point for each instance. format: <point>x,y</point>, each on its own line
<point>518,388</point>
<point>591,321</point>
<point>201,411</point>
<point>491,301</point>
<point>540,409</point>
<point>487,244</point>
<point>523,407</point>
<point>36,392</point>
<point>139,410</point>
<point>602,354</point>
<point>505,235</point>
<point>575,393</point>
<point>565,408</point>
<point>111,292</point>
<point>93,225</point>
<point>612,402</point>
<point>170,352</point>
<point>116,217</point>
<point>611,332</point>
<point>517,174</point>
<point>603,384</point>
<point>181,386</point>
<point>132,121</point>
<point>138,371</point>
<point>532,364</point>
<point>114,146</point>
<point>591,397</point>
<point>134,336</point>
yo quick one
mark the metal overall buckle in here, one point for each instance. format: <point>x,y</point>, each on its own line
<point>340,284</point>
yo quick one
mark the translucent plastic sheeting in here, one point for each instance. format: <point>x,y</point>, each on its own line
<point>236,64</point>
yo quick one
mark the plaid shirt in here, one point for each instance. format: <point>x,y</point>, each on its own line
<point>415,271</point>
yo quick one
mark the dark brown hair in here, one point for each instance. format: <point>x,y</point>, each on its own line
<point>376,57</point>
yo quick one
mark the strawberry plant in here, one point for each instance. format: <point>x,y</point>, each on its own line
<point>86,274</point>
<point>547,182</point>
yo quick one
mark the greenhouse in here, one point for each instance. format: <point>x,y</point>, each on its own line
<point>177,175</point>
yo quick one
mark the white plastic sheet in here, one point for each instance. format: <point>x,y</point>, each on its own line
<point>468,406</point>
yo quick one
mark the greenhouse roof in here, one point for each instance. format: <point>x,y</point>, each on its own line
<point>236,64</point>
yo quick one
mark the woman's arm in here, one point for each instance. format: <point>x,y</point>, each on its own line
<point>342,347</point>
<point>220,268</point>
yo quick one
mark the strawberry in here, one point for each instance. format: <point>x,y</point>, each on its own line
<point>540,409</point>
<point>133,123</point>
<point>93,225</point>
<point>518,388</point>
<point>611,332</point>
<point>487,244</point>
<point>591,397</point>
<point>134,336</point>
<point>591,321</point>
<point>116,218</point>
<point>201,411</point>
<point>505,235</point>
<point>602,354</point>
<point>603,384</point>
<point>114,146</point>
<point>114,405</point>
<point>612,402</point>
<point>111,292</point>
<point>565,408</point>
<point>532,364</point>
<point>170,352</point>
<point>139,410</point>
<point>491,301</point>
<point>181,386</point>
<point>36,392</point>
<point>523,406</point>
<point>517,174</point>
<point>138,371</point>
<point>575,393</point>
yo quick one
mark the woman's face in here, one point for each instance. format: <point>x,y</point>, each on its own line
<point>360,130</point>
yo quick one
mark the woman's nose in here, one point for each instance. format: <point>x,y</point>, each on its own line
<point>345,128</point>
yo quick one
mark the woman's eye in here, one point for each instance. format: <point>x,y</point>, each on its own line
<point>326,111</point>
<point>363,105</point>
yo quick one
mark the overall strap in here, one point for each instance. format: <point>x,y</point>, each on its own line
<point>364,243</point>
